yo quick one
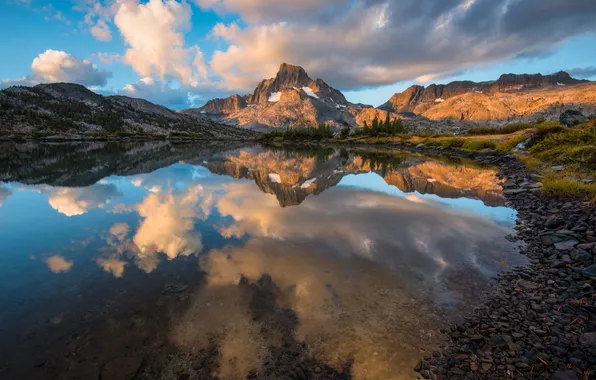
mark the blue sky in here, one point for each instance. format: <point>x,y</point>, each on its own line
<point>184,52</point>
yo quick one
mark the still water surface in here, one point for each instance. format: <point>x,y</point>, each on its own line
<point>204,262</point>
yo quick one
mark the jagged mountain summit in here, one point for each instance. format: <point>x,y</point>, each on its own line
<point>73,109</point>
<point>521,97</point>
<point>292,98</point>
<point>294,77</point>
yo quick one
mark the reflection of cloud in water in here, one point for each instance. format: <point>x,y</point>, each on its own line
<point>221,316</point>
<point>372,225</point>
<point>58,264</point>
<point>112,265</point>
<point>346,309</point>
<point>166,179</point>
<point>365,273</point>
<point>168,224</point>
<point>78,201</point>
<point>119,230</point>
<point>4,194</point>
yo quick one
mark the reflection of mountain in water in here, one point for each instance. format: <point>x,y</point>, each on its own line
<point>291,178</point>
<point>294,179</point>
<point>83,164</point>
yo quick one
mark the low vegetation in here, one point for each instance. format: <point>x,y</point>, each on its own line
<point>321,132</point>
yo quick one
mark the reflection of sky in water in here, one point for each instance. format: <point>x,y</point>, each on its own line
<point>352,262</point>
<point>375,182</point>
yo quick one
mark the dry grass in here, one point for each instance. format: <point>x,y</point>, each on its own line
<point>568,184</point>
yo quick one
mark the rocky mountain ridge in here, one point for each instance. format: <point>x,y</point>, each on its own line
<point>291,98</point>
<point>512,97</point>
<point>71,108</point>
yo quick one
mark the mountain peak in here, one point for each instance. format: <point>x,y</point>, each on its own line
<point>291,76</point>
<point>295,77</point>
<point>289,68</point>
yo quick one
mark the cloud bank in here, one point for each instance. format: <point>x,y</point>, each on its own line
<point>370,42</point>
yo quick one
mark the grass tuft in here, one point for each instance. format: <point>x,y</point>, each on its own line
<point>559,185</point>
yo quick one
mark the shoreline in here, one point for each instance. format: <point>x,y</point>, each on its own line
<point>540,320</point>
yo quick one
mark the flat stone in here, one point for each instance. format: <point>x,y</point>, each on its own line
<point>552,239</point>
<point>121,369</point>
<point>589,339</point>
<point>564,375</point>
<point>566,245</point>
<point>590,271</point>
<point>586,246</point>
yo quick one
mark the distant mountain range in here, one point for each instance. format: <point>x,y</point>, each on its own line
<point>72,108</point>
<point>292,98</point>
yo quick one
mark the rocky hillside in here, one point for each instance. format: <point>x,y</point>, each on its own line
<point>510,98</point>
<point>292,98</point>
<point>72,108</point>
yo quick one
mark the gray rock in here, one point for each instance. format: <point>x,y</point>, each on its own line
<point>572,117</point>
<point>121,369</point>
<point>552,239</point>
<point>566,245</point>
<point>590,271</point>
<point>589,339</point>
<point>553,222</point>
<point>564,375</point>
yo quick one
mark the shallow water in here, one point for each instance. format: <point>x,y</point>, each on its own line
<point>235,262</point>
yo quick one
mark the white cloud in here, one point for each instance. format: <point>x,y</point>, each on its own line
<point>158,92</point>
<point>97,17</point>
<point>101,31</point>
<point>59,66</point>
<point>107,58</point>
<point>154,32</point>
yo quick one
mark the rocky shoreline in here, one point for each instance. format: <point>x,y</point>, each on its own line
<point>540,322</point>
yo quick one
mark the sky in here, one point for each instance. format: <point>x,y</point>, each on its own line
<point>181,53</point>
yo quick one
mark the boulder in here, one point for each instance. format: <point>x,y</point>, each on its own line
<point>572,117</point>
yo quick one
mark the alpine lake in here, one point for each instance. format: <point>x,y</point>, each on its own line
<point>156,260</point>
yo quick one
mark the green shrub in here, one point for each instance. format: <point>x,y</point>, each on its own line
<point>453,142</point>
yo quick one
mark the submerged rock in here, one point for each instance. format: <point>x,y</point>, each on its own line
<point>121,368</point>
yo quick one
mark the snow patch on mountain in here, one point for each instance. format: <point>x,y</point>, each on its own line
<point>307,184</point>
<point>310,92</point>
<point>275,178</point>
<point>275,97</point>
